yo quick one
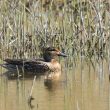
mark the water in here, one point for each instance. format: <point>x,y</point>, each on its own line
<point>82,87</point>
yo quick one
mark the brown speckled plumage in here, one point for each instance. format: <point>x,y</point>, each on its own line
<point>49,63</point>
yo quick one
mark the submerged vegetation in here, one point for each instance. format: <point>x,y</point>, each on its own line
<point>81,27</point>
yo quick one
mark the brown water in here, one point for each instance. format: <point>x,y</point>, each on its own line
<point>82,87</point>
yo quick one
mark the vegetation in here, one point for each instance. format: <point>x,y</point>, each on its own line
<point>81,27</point>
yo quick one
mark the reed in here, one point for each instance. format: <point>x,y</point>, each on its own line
<point>30,98</point>
<point>79,27</point>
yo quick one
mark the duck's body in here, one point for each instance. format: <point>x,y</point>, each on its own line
<point>37,66</point>
<point>21,65</point>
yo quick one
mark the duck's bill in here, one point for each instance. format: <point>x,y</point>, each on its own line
<point>62,54</point>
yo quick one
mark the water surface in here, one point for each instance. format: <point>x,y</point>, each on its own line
<point>83,86</point>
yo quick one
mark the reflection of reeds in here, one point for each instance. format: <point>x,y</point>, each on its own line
<point>30,98</point>
<point>82,28</point>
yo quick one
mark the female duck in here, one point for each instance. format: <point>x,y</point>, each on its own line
<point>48,64</point>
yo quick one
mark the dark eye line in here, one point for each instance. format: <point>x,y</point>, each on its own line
<point>52,50</point>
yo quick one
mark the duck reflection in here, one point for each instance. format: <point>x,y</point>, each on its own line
<point>51,81</point>
<point>48,77</point>
<point>50,85</point>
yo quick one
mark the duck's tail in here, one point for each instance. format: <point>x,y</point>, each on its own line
<point>8,66</point>
<point>3,65</point>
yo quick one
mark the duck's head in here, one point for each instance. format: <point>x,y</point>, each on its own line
<point>50,53</point>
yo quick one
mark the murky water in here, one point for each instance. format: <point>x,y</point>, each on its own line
<point>82,87</point>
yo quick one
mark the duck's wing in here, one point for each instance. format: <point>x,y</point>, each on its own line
<point>15,61</point>
<point>34,65</point>
<point>21,61</point>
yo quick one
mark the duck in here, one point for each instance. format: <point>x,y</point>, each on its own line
<point>48,65</point>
